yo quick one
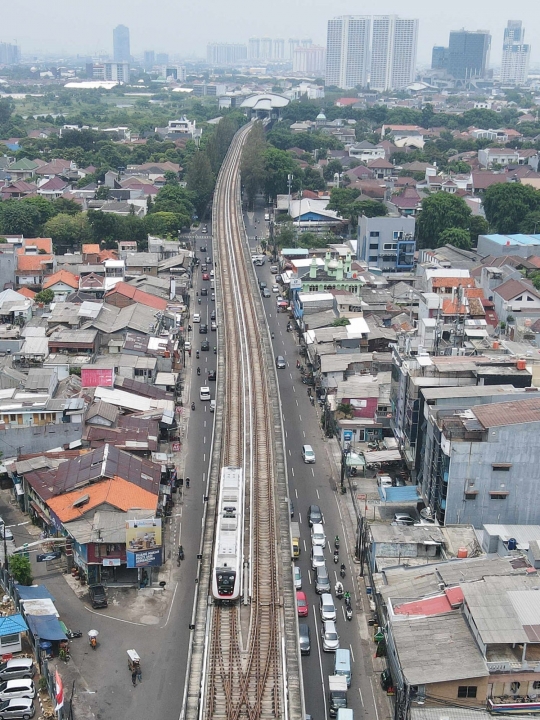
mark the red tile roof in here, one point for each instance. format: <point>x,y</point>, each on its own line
<point>452,282</point>
<point>508,413</point>
<point>138,296</point>
<point>512,288</point>
<point>41,244</point>
<point>34,263</point>
<point>27,293</point>
<point>62,276</point>
<point>88,248</point>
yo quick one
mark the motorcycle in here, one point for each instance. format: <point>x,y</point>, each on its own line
<point>72,634</point>
<point>342,570</point>
<point>336,542</point>
<point>338,589</point>
<point>92,638</point>
<point>348,612</point>
<point>215,351</point>
<point>199,301</point>
<point>193,406</point>
<point>336,556</point>
<point>197,354</point>
<point>198,371</point>
<point>180,552</point>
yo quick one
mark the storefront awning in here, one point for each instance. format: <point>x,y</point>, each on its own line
<point>35,507</point>
<point>382,456</point>
<point>46,627</point>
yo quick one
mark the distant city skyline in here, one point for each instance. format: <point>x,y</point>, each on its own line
<point>186,31</point>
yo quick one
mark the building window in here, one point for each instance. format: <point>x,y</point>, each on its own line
<point>373,234</point>
<point>498,494</point>
<point>374,246</point>
<point>536,685</point>
<point>466,691</point>
<point>10,640</point>
<point>372,258</point>
<point>471,494</point>
<point>501,467</point>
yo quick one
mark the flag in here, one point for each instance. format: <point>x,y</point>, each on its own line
<point>59,691</point>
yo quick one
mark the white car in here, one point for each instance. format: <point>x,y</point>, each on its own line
<point>6,533</point>
<point>330,638</point>
<point>317,557</point>
<point>20,688</point>
<point>297,578</point>
<point>317,536</point>
<point>327,608</point>
<point>196,317</point>
<point>275,289</point>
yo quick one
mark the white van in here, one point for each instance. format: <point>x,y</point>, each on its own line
<point>204,393</point>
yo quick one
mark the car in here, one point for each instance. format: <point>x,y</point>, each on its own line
<point>5,533</point>
<point>275,289</point>
<point>204,267</point>
<point>279,299</point>
<point>17,708</point>
<point>317,557</point>
<point>322,580</point>
<point>212,296</point>
<point>327,608</point>
<point>213,325</point>
<point>203,248</point>
<point>403,519</point>
<point>384,480</point>
<point>266,293</point>
<point>315,515</point>
<point>280,362</point>
<point>213,315</point>
<point>212,406</point>
<point>308,456</point>
<point>317,535</point>
<point>302,603</point>
<point>205,345</point>
<point>203,329</point>
<point>205,229</point>
<point>304,638</point>
<point>204,393</point>
<point>187,345</point>
<point>212,375</point>
<point>267,216</point>
<point>204,292</point>
<point>17,668</point>
<point>98,596</point>
<point>208,259</point>
<point>21,687</point>
<point>291,508</point>
<point>297,578</point>
<point>196,317</point>
<point>205,276</point>
<point>262,284</point>
<point>211,274</point>
<point>330,637</point>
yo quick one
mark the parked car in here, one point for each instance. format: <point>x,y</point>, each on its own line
<point>98,596</point>
<point>403,519</point>
<point>275,289</point>
<point>308,456</point>
<point>17,668</point>
<point>297,578</point>
<point>327,607</point>
<point>304,637</point>
<point>315,515</point>
<point>213,325</point>
<point>196,317</point>
<point>17,708</point>
<point>302,603</point>
<point>330,637</point>
<point>6,533</point>
<point>19,688</point>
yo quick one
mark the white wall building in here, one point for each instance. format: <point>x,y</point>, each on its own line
<point>516,54</point>
<point>309,60</point>
<point>347,51</point>
<point>393,52</point>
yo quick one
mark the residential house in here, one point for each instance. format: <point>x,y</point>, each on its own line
<point>62,283</point>
<point>310,215</point>
<point>17,190</point>
<point>408,203</point>
<point>516,297</point>
<point>78,342</point>
<point>23,169</point>
<point>15,308</point>
<point>366,151</point>
<point>124,294</point>
<point>53,188</point>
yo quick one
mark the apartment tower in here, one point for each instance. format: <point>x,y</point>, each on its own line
<point>121,49</point>
<point>516,55</point>
<point>393,52</point>
<point>347,51</point>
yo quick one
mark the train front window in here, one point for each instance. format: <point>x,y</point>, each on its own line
<point>225,582</point>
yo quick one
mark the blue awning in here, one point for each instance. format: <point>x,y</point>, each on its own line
<point>33,592</point>
<point>46,627</point>
<point>406,494</point>
<point>12,624</point>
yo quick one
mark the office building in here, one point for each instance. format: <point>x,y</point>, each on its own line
<point>393,52</point>
<point>121,51</point>
<point>118,71</point>
<point>309,60</point>
<point>387,243</point>
<point>266,49</point>
<point>516,54</point>
<point>9,54</point>
<point>149,59</point>
<point>221,54</point>
<point>347,51</point>
<point>162,59</point>
<point>439,58</point>
<point>468,54</point>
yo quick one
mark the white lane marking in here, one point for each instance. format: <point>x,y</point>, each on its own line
<point>352,654</point>
<point>297,401</point>
<point>128,622</point>
<point>296,493</point>
<point>304,433</point>
<point>313,472</point>
<point>374,701</point>
<point>320,661</point>
<point>309,576</point>
<point>289,452</point>
<point>290,375</point>
<point>170,608</point>
<point>294,389</point>
<point>286,434</point>
<point>305,547</point>
<point>317,491</point>
<point>204,439</point>
<point>292,471</point>
<point>361,698</point>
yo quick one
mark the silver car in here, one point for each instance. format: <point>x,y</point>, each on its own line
<point>327,608</point>
<point>322,580</point>
<point>330,637</point>
<point>17,708</point>
<point>297,578</point>
<point>317,557</point>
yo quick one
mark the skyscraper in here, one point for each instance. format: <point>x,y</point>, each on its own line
<point>516,55</point>
<point>293,44</point>
<point>347,51</point>
<point>439,57</point>
<point>393,52</point>
<point>309,60</point>
<point>225,53</point>
<point>9,54</point>
<point>149,59</point>
<point>279,49</point>
<point>254,48</point>
<point>121,50</point>
<point>468,54</point>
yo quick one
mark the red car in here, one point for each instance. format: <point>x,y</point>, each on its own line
<point>205,276</point>
<point>301,603</point>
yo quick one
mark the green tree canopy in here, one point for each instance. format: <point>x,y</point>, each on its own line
<point>278,165</point>
<point>530,224</point>
<point>507,205</point>
<point>20,568</point>
<point>19,218</point>
<point>441,211</point>
<point>458,237</point>
<point>68,232</point>
<point>252,166</point>
<point>45,296</point>
<point>163,223</point>
<point>200,181</point>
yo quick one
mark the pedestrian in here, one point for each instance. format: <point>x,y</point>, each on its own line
<point>134,677</point>
<point>187,482</point>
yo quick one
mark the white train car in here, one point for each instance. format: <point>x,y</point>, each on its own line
<point>229,541</point>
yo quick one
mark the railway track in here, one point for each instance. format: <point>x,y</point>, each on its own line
<point>245,681</point>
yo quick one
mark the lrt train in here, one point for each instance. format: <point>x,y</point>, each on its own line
<point>229,538</point>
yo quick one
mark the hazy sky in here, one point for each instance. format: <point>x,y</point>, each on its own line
<point>59,26</point>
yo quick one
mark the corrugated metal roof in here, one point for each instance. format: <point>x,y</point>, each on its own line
<point>509,413</point>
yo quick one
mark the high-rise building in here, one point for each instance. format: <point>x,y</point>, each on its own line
<point>279,49</point>
<point>254,48</point>
<point>516,54</point>
<point>162,59</point>
<point>118,71</point>
<point>347,51</point>
<point>306,42</point>
<point>9,54</point>
<point>439,58</point>
<point>121,50</point>
<point>149,59</point>
<point>225,53</point>
<point>393,52</point>
<point>266,49</point>
<point>293,44</point>
<point>309,60</point>
<point>468,54</point>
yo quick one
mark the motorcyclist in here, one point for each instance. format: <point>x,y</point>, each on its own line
<point>193,406</point>
<point>338,589</point>
<point>198,371</point>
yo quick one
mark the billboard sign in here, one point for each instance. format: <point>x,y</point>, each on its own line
<point>143,542</point>
<point>295,284</point>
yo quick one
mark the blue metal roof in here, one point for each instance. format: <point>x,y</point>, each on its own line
<point>12,624</point>
<point>405,494</point>
<point>517,239</point>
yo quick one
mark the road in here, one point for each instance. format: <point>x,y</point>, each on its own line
<point>314,484</point>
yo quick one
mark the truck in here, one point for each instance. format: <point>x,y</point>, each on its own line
<point>295,540</point>
<point>337,693</point>
<point>345,714</point>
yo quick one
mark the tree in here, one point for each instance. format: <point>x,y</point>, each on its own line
<point>163,223</point>
<point>530,224</point>
<point>477,226</point>
<point>20,568</point>
<point>6,108</point>
<point>171,178</point>
<point>458,237</point>
<point>441,211</point>
<point>44,207</point>
<point>68,231</point>
<point>286,236</point>
<point>332,168</point>
<point>507,204</point>
<point>103,192</point>
<point>252,167</point>
<point>19,218</point>
<point>313,180</point>
<point>369,208</point>
<point>45,296</point>
<point>66,207</point>
<point>278,165</point>
<point>104,226</point>
<point>200,181</point>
